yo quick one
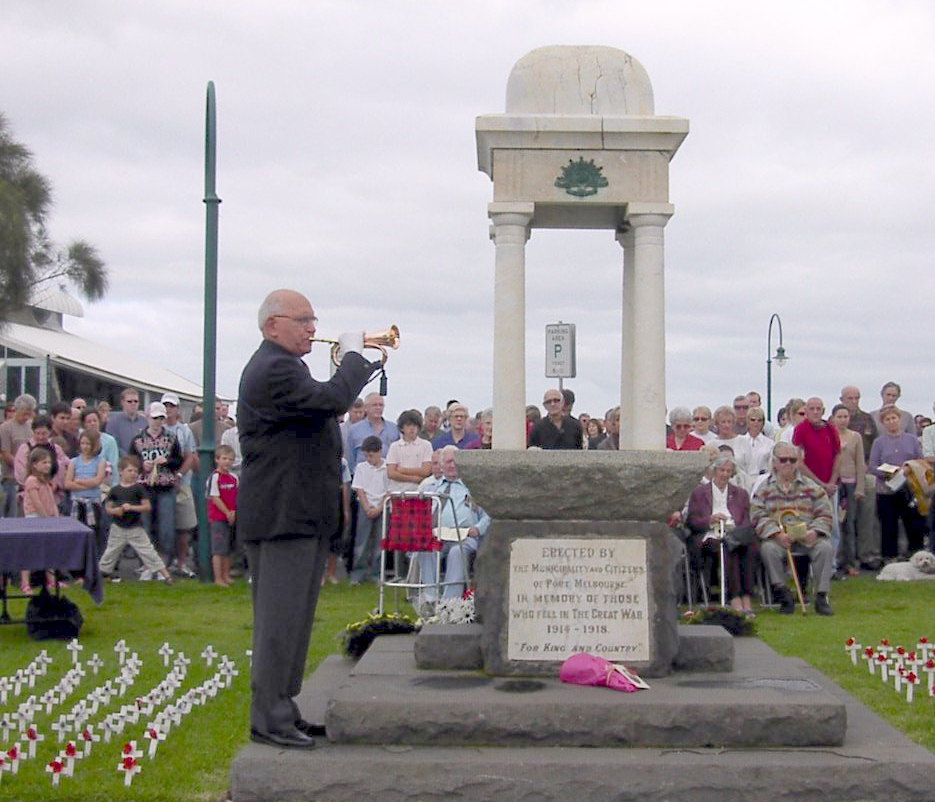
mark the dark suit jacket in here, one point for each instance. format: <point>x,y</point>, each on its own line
<point>701,501</point>
<point>291,472</point>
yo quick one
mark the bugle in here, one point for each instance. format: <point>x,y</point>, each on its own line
<point>381,340</point>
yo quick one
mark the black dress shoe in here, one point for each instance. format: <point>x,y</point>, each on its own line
<point>309,729</point>
<point>283,740</point>
<point>822,605</point>
<point>783,597</point>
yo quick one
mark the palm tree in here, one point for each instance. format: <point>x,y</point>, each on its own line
<point>28,257</point>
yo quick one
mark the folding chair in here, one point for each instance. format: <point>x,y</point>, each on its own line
<point>411,525</point>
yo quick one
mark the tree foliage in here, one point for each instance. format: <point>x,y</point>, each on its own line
<point>28,256</point>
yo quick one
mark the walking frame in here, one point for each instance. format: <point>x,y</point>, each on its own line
<point>407,510</point>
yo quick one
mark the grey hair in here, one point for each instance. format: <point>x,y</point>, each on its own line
<point>24,401</point>
<point>784,444</point>
<point>271,306</point>
<point>487,414</point>
<point>679,413</point>
<point>724,410</point>
<point>723,459</point>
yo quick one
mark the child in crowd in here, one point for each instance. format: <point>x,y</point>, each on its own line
<point>222,512</point>
<point>370,482</point>
<point>126,502</point>
<point>38,499</point>
<point>409,459</point>
<point>83,477</point>
<point>337,542</point>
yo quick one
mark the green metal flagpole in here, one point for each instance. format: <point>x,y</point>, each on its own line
<point>206,449</point>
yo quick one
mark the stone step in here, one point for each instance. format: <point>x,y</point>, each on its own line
<point>458,646</point>
<point>765,702</point>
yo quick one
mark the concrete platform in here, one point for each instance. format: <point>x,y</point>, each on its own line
<point>875,762</point>
<point>764,702</point>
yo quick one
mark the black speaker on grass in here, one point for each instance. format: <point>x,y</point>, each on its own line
<point>51,617</point>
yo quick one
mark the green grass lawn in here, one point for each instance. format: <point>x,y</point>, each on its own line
<point>866,610</point>
<point>193,763</point>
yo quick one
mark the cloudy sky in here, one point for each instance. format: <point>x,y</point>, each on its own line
<point>347,168</point>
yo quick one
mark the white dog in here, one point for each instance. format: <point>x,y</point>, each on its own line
<point>920,566</point>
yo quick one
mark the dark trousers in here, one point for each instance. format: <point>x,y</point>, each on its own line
<point>741,563</point>
<point>286,579</point>
<point>890,508</point>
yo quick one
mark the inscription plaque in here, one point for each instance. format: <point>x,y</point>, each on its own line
<point>570,595</point>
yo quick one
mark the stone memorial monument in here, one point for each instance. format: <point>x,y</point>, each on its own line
<point>581,147</point>
<point>577,558</point>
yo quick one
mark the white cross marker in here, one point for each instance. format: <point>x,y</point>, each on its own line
<point>71,754</point>
<point>55,768</point>
<point>209,654</point>
<point>60,727</point>
<point>166,651</point>
<point>95,663</point>
<point>74,647</point>
<point>130,767</point>
<point>121,649</point>
<point>89,738</point>
<point>12,756</point>
<point>155,736</point>
<point>33,736</point>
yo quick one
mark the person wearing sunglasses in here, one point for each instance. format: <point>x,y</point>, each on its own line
<point>701,424</point>
<point>681,439</point>
<point>791,512</point>
<point>556,430</point>
<point>795,414</point>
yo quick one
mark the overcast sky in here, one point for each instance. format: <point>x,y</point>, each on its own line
<point>347,167</point>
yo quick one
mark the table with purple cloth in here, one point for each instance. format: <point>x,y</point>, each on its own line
<point>54,544</point>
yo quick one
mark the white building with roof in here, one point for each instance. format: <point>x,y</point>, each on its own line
<point>37,356</point>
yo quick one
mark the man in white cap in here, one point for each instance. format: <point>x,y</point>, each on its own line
<point>159,452</point>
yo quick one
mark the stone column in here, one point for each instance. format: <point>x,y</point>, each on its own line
<point>647,418</point>
<point>510,230</point>
<point>627,339</point>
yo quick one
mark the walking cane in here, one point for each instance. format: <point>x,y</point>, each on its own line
<point>720,529</point>
<point>795,578</point>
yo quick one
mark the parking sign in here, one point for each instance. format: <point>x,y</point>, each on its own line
<point>560,350</point>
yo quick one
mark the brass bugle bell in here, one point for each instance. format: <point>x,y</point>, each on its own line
<point>381,340</point>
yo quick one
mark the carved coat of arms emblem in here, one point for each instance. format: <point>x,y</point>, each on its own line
<point>581,178</point>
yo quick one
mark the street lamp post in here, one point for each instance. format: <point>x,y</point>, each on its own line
<point>780,358</point>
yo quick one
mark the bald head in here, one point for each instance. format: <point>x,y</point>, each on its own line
<point>286,318</point>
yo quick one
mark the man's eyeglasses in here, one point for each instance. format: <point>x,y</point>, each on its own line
<point>787,460</point>
<point>302,321</point>
<point>700,419</point>
<point>552,401</point>
<point>741,406</point>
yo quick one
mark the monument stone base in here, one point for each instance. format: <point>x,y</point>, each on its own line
<point>484,744</point>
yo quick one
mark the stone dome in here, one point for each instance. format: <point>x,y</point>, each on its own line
<point>572,79</point>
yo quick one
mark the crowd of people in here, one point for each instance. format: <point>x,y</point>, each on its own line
<point>127,474</point>
<point>799,484</point>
